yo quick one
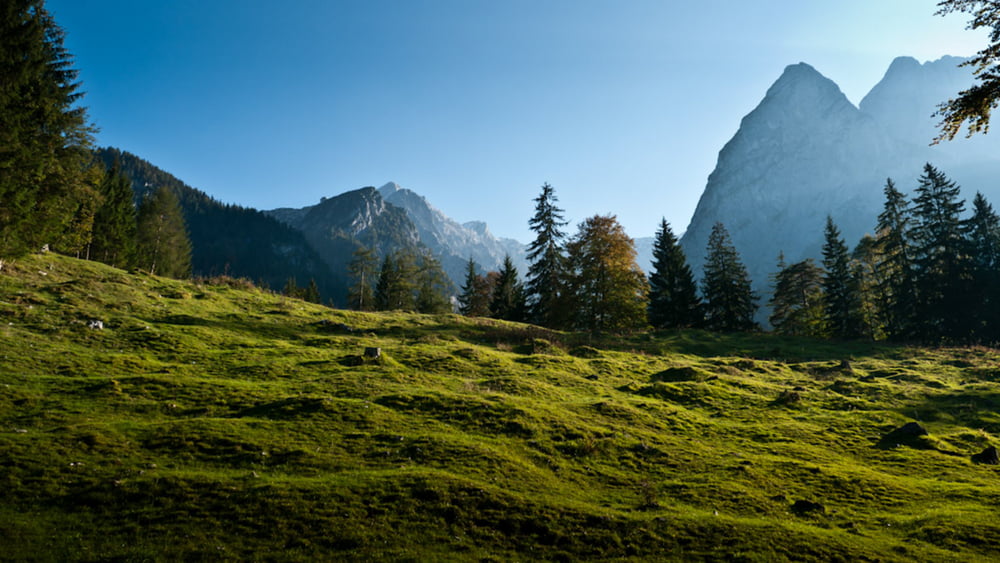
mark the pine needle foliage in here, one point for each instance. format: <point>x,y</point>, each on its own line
<point>673,294</point>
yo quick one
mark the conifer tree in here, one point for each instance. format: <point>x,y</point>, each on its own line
<point>162,244</point>
<point>114,233</point>
<point>474,301</point>
<point>547,273</point>
<point>363,271</point>
<point>797,302</point>
<point>607,286</point>
<point>673,295</point>
<point>507,301</point>
<point>940,255</point>
<point>45,197</point>
<point>395,287</point>
<point>432,286</point>
<point>894,269</point>
<point>865,260</point>
<point>984,239</point>
<point>311,292</point>
<point>841,305</point>
<point>730,302</point>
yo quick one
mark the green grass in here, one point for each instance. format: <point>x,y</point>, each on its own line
<point>216,422</point>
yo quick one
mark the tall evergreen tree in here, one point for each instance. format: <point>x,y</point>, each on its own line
<point>984,239</point>
<point>162,244</point>
<point>547,273</point>
<point>673,295</point>
<point>607,286</point>
<point>395,287</point>
<point>730,302</point>
<point>841,305</point>
<point>44,135</point>
<point>115,221</point>
<point>311,292</point>
<point>363,271</point>
<point>474,300</point>
<point>894,269</point>
<point>507,301</point>
<point>797,302</point>
<point>865,260</point>
<point>941,257</point>
<point>433,287</point>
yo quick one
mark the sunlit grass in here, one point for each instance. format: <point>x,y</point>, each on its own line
<point>220,422</point>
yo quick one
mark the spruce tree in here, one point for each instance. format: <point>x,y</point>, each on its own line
<point>941,258</point>
<point>730,302</point>
<point>984,239</point>
<point>115,221</point>
<point>865,260</point>
<point>894,269</point>
<point>797,302</point>
<point>507,301</point>
<point>45,196</point>
<point>162,244</point>
<point>474,301</point>
<point>673,295</point>
<point>394,290</point>
<point>841,306</point>
<point>607,287</point>
<point>363,271</point>
<point>433,287</point>
<point>547,273</point>
<point>311,292</point>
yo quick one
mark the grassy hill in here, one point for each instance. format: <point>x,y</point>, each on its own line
<point>215,422</point>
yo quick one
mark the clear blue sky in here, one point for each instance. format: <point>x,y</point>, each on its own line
<point>621,105</point>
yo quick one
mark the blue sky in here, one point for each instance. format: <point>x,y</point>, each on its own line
<point>621,105</point>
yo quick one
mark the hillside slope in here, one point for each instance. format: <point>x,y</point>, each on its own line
<point>217,422</point>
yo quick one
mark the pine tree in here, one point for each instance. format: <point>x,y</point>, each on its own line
<point>607,286</point>
<point>841,306</point>
<point>797,302</point>
<point>547,273</point>
<point>894,269</point>
<point>673,295</point>
<point>941,258</point>
<point>45,196</point>
<point>432,286</point>
<point>162,244</point>
<point>507,301</point>
<point>984,239</point>
<point>363,271</point>
<point>311,292</point>
<point>865,260</point>
<point>730,302</point>
<point>395,287</point>
<point>115,221</point>
<point>474,301</point>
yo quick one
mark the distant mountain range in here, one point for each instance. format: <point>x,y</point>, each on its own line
<point>318,241</point>
<point>806,152</point>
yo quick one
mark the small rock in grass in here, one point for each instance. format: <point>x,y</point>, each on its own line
<point>910,434</point>
<point>96,324</point>
<point>988,456</point>
<point>807,507</point>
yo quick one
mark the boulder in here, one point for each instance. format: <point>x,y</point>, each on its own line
<point>988,456</point>
<point>910,434</point>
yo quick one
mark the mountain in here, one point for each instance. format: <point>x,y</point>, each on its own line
<point>229,239</point>
<point>393,217</point>
<point>806,152</point>
<point>338,226</point>
<point>452,242</point>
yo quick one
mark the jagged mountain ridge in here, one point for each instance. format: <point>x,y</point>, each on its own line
<point>806,152</point>
<point>393,217</point>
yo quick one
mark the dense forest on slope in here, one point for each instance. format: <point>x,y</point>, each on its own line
<point>230,239</point>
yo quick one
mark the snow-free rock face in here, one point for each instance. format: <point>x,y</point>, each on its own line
<point>452,242</point>
<point>806,152</point>
<point>803,153</point>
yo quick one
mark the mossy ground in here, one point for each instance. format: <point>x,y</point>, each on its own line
<point>214,422</point>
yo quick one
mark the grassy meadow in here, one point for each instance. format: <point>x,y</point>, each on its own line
<point>212,421</point>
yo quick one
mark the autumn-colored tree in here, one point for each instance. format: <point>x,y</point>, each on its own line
<point>607,286</point>
<point>797,303</point>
